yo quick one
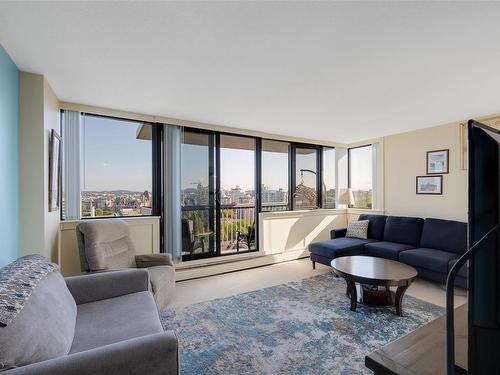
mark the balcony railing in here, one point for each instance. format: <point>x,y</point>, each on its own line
<point>234,219</point>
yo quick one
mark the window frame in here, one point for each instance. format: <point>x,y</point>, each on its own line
<point>323,201</point>
<point>156,163</point>
<point>319,174</point>
<point>349,172</point>
<point>289,173</point>
<point>217,189</point>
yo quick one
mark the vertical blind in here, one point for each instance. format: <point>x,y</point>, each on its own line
<point>71,164</point>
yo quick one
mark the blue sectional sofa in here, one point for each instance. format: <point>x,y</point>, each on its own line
<point>432,246</point>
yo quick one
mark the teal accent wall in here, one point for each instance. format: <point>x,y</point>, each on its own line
<point>9,159</point>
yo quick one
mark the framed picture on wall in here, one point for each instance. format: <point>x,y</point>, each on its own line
<point>54,170</point>
<point>438,162</point>
<point>432,185</point>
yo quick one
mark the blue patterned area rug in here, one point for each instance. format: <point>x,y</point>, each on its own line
<point>302,327</point>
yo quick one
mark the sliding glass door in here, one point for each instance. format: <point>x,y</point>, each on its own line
<point>237,194</point>
<point>218,183</point>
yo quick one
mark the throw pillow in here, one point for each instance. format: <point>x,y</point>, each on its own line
<point>358,229</point>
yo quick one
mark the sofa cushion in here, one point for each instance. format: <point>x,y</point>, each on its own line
<point>403,230</point>
<point>112,320</point>
<point>446,235</point>
<point>339,247</point>
<point>357,229</point>
<point>431,259</point>
<point>376,226</point>
<point>44,327</point>
<point>388,250</point>
<point>462,272</point>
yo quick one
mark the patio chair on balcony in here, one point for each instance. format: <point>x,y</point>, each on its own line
<point>247,237</point>
<point>189,245</point>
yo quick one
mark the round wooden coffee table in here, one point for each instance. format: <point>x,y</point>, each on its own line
<point>370,273</point>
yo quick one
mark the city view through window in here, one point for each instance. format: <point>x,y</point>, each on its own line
<point>219,207</point>
<point>117,167</point>
<point>234,205</point>
<point>274,189</point>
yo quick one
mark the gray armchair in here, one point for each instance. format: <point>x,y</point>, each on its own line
<point>97,324</point>
<point>105,244</point>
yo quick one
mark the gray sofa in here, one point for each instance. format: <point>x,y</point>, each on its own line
<point>431,246</point>
<point>102,323</point>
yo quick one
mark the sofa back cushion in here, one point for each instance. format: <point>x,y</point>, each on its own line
<point>44,327</point>
<point>446,235</point>
<point>105,244</point>
<point>405,230</point>
<point>376,226</point>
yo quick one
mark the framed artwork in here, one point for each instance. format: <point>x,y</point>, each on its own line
<point>438,162</point>
<point>54,170</point>
<point>432,185</point>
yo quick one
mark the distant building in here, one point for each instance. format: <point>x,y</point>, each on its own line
<point>225,200</point>
<point>146,211</point>
<point>274,196</point>
<point>237,196</point>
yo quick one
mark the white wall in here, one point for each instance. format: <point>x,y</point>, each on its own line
<point>405,158</point>
<point>38,113</point>
<point>287,231</point>
<point>51,121</point>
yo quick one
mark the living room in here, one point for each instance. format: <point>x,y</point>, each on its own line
<point>248,187</point>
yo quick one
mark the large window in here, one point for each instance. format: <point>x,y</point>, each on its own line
<point>275,172</point>
<point>360,176</point>
<point>329,180</point>
<point>116,167</point>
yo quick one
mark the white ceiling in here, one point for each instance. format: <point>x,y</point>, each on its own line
<point>332,71</point>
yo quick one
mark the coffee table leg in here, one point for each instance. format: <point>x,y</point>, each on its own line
<point>351,289</point>
<point>398,300</point>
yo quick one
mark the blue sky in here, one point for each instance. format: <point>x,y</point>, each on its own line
<point>237,168</point>
<point>114,158</point>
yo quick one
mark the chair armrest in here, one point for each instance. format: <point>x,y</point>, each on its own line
<point>103,285</point>
<point>338,233</point>
<point>155,354</point>
<point>152,260</point>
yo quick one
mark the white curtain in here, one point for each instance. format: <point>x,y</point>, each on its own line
<point>71,158</point>
<point>172,184</point>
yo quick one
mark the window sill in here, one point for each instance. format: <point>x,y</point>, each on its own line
<point>313,212</point>
<point>365,210</point>
<point>71,224</point>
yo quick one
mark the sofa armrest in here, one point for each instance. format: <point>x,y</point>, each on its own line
<point>155,354</point>
<point>152,260</point>
<point>109,284</point>
<point>337,233</point>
